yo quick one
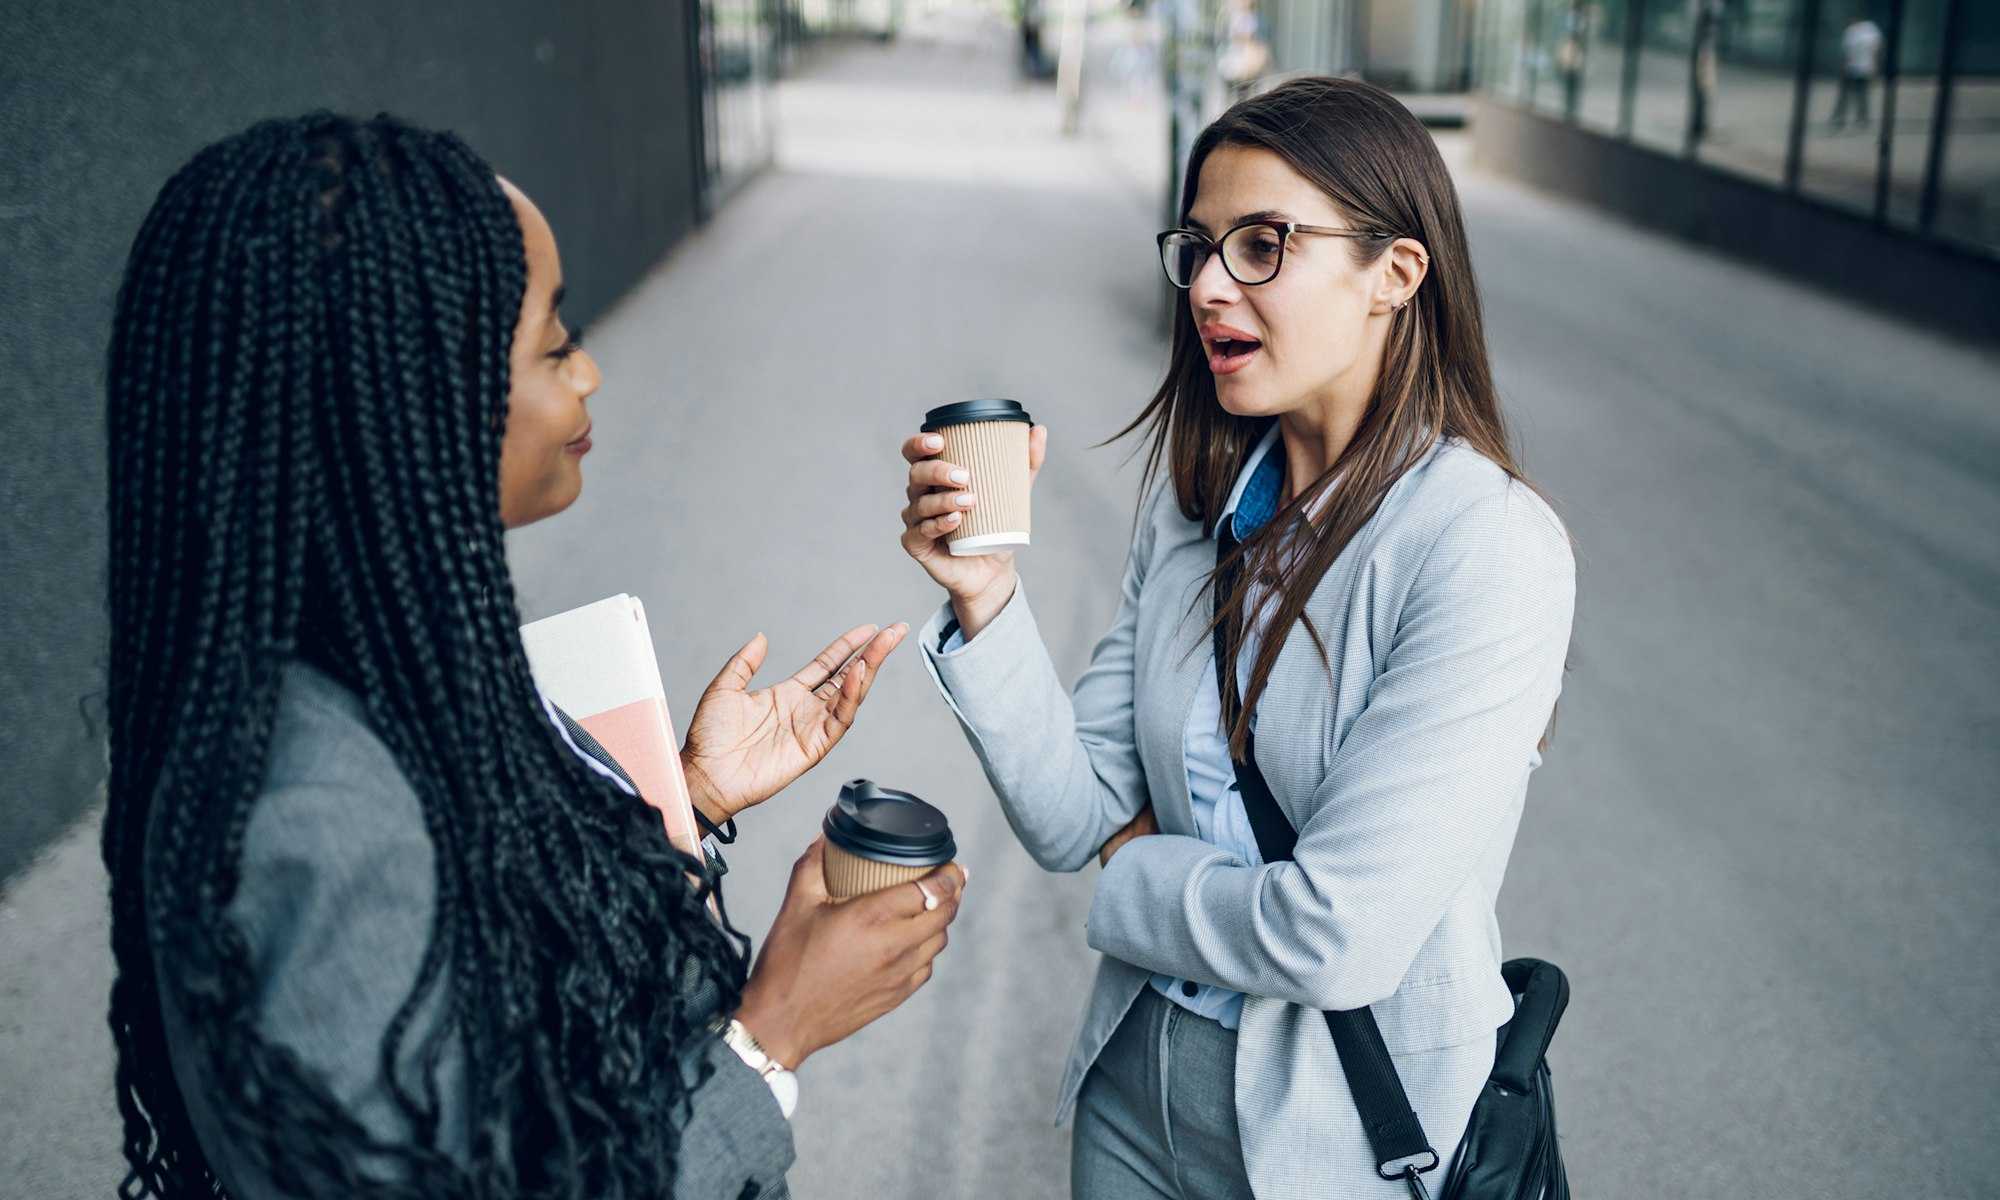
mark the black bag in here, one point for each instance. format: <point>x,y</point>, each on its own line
<point>1509,1151</point>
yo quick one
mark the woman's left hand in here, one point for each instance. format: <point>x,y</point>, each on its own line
<point>1139,826</point>
<point>744,747</point>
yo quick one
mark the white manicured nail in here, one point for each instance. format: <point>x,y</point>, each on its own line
<point>961,476</point>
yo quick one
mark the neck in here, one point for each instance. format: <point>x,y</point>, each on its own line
<point>1316,434</point>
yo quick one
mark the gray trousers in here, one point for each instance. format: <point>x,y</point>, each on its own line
<point>1156,1119</point>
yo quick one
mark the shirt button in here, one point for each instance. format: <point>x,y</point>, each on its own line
<point>1188,988</point>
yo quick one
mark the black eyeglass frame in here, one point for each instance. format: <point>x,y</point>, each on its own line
<point>1284,230</point>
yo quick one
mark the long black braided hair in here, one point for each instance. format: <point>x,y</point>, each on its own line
<point>307,388</point>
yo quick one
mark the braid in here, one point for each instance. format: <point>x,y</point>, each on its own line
<point>306,394</point>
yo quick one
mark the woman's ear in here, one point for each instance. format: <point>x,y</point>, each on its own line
<point>1403,271</point>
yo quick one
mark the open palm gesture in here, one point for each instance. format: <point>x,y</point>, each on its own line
<point>744,747</point>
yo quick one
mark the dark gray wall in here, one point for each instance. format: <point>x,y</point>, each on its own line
<point>586,106</point>
<point>1929,282</point>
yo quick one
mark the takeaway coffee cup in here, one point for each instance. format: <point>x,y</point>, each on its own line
<point>878,837</point>
<point>989,438</point>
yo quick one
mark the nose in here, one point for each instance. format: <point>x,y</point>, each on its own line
<point>1213,288</point>
<point>584,375</point>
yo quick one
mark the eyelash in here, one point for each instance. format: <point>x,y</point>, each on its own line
<point>571,344</point>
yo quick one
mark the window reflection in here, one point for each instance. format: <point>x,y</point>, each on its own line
<point>1720,82</point>
<point>739,53</point>
<point>1968,193</point>
<point>1660,100</point>
<point>1745,79</point>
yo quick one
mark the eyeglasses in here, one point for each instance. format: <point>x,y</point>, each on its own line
<point>1251,252</point>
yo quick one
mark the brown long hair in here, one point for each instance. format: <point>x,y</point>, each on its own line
<point>1378,164</point>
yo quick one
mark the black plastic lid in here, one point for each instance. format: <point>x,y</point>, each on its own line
<point>965,412</point>
<point>884,825</point>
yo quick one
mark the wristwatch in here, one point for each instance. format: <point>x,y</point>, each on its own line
<point>783,1084</point>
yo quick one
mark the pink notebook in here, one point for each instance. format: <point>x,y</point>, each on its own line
<point>597,664</point>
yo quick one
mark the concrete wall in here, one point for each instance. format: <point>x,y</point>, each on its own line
<point>587,106</point>
<point>1929,282</point>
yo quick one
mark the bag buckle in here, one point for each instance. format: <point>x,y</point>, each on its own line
<point>1417,1189</point>
<point>1410,1172</point>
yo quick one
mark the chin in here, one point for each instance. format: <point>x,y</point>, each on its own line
<point>1240,400</point>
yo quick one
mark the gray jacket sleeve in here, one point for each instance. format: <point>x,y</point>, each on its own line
<point>336,900</point>
<point>1065,764</point>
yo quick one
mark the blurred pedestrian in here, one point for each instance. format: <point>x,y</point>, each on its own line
<point>1573,32</point>
<point>383,926</point>
<point>1703,69</point>
<point>1860,61</point>
<point>1343,604</point>
<point>1245,54</point>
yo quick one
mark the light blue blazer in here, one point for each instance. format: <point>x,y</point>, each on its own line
<point>1446,621</point>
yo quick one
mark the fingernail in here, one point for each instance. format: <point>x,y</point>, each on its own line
<point>934,442</point>
<point>951,518</point>
<point>961,476</point>
<point>966,499</point>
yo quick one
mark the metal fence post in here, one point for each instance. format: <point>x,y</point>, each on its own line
<point>1954,30</point>
<point>1795,146</point>
<point>1628,83</point>
<point>1891,73</point>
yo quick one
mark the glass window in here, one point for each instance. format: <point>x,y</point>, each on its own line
<point>1844,106</point>
<point>1968,201</point>
<point>1576,57</point>
<point>1660,102</point>
<point>1912,99</point>
<point>1602,36</point>
<point>1745,56</point>
<point>738,50</point>
<point>1505,51</point>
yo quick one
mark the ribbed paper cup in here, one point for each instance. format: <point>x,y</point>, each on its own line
<point>878,837</point>
<point>849,875</point>
<point>989,438</point>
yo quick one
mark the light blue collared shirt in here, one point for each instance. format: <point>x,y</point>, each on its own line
<point>1219,816</point>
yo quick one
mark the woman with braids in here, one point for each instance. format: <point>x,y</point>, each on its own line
<point>1343,624</point>
<point>383,926</point>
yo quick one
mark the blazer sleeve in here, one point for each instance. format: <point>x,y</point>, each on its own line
<point>1065,765</point>
<point>336,898</point>
<point>1414,794</point>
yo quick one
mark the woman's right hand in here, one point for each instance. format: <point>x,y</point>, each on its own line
<point>979,585</point>
<point>827,968</point>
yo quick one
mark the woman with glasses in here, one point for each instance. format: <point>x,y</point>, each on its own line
<point>1341,593</point>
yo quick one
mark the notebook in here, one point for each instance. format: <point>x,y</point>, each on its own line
<point>597,664</point>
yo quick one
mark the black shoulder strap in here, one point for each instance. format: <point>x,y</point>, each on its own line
<point>1396,1136</point>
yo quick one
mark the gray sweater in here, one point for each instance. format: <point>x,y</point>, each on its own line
<point>336,900</point>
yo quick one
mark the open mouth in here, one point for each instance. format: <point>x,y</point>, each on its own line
<point>1230,354</point>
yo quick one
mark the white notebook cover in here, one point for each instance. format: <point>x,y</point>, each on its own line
<point>597,664</point>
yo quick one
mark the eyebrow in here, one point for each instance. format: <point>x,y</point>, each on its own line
<point>556,298</point>
<point>1262,214</point>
